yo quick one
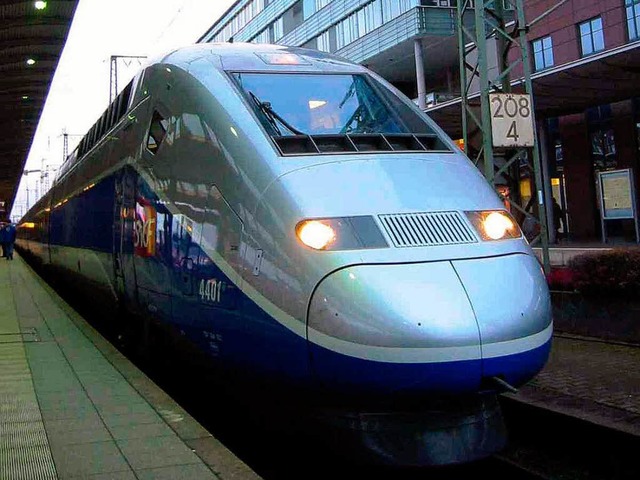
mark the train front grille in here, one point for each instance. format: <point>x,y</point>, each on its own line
<point>427,229</point>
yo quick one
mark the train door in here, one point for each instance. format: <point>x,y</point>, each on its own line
<point>217,283</point>
<point>152,233</point>
<point>123,233</point>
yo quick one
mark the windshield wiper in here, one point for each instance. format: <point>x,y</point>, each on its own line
<point>272,116</point>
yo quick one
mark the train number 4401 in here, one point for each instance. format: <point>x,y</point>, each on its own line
<point>210,290</point>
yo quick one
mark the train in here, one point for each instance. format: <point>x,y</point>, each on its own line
<point>302,224</point>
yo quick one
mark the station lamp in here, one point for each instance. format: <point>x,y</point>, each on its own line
<point>40,5</point>
<point>31,61</point>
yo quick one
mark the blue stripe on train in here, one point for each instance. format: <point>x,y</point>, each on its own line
<point>354,374</point>
<point>520,368</point>
<point>350,373</point>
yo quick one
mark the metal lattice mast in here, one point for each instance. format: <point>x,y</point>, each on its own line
<point>113,78</point>
<point>486,78</point>
<point>113,71</point>
<point>65,145</point>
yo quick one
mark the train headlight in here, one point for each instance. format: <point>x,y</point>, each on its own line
<point>315,234</point>
<point>494,225</point>
<point>343,233</point>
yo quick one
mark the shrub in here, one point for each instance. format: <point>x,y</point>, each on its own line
<point>613,273</point>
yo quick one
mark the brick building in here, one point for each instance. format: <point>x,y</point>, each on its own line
<point>596,52</point>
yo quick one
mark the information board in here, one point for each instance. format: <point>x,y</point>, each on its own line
<point>617,199</point>
<point>616,194</point>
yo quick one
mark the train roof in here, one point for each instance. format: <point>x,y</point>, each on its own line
<point>262,57</point>
<point>235,57</point>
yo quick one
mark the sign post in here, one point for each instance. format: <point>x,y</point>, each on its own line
<point>501,126</point>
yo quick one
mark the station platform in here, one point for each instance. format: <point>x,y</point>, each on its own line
<point>72,406</point>
<point>590,379</point>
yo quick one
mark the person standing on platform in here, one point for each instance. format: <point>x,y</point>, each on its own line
<point>558,218</point>
<point>2,239</point>
<point>9,237</point>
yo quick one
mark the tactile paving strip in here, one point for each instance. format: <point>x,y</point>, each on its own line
<point>24,449</point>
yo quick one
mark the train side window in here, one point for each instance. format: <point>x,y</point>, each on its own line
<point>157,132</point>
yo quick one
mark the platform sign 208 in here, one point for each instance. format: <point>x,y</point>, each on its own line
<point>511,120</point>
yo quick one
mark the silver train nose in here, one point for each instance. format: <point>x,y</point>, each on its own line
<point>426,326</point>
<point>395,306</point>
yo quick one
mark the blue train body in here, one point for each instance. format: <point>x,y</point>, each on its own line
<point>198,199</point>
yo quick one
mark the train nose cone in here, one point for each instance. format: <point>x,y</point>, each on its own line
<point>390,328</point>
<point>512,306</point>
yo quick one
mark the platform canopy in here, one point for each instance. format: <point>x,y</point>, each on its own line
<point>32,36</point>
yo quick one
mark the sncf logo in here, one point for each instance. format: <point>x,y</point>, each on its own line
<point>144,229</point>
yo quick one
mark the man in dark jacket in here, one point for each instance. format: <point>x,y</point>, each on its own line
<point>2,240</point>
<point>558,219</point>
<point>9,239</point>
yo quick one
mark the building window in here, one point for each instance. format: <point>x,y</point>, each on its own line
<point>602,137</point>
<point>278,29</point>
<point>292,18</point>
<point>394,8</point>
<point>543,53</point>
<point>633,18</point>
<point>324,43</point>
<point>591,36</point>
<point>238,22</point>
<point>263,37</point>
<point>367,19</point>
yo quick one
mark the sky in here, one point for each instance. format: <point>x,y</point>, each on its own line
<point>80,88</point>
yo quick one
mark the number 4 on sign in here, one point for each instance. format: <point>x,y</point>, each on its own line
<point>513,132</point>
<point>511,120</point>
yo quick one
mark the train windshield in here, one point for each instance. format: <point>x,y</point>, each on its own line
<point>317,104</point>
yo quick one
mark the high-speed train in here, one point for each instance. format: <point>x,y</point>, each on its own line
<point>303,224</point>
